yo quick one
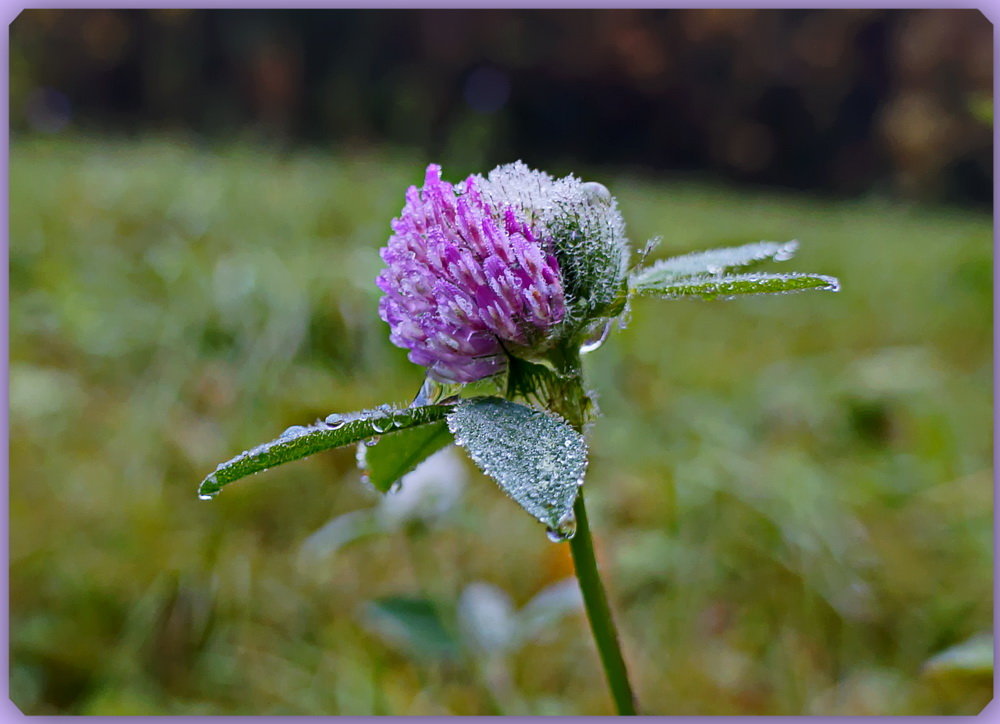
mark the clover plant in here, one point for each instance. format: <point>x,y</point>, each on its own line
<point>496,285</point>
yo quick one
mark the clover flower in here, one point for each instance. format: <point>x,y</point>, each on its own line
<point>497,266</point>
<point>514,265</point>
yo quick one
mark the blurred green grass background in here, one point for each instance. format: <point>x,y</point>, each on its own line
<point>792,495</point>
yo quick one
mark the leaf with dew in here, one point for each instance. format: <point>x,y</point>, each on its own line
<point>535,457</point>
<point>735,285</point>
<point>300,441</point>
<point>711,262</point>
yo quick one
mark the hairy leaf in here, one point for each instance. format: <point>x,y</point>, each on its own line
<point>713,261</point>
<point>535,457</point>
<point>734,285</point>
<point>398,454</point>
<point>337,430</point>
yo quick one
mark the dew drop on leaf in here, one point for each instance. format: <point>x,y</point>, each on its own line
<point>433,392</point>
<point>401,418</point>
<point>525,451</point>
<point>596,339</point>
<point>209,488</point>
<point>564,531</point>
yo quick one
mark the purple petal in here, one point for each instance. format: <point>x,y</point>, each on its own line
<point>462,278</point>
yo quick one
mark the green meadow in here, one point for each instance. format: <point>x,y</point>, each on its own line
<point>791,495</point>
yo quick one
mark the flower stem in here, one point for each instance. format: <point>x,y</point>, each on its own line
<point>561,390</point>
<point>599,613</point>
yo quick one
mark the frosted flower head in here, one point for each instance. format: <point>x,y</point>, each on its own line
<point>586,230</point>
<point>510,264</point>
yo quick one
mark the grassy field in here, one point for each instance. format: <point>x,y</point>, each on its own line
<point>792,495</point>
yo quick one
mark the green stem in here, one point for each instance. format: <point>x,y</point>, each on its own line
<point>599,612</point>
<point>560,388</point>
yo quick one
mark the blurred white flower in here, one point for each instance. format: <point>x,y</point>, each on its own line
<point>428,492</point>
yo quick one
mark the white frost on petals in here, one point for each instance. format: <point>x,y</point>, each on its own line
<point>584,223</point>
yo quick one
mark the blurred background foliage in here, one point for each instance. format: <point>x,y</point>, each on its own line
<point>845,101</point>
<point>792,496</point>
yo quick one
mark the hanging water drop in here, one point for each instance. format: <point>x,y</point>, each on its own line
<point>596,339</point>
<point>373,441</point>
<point>565,530</point>
<point>209,488</point>
<point>433,392</point>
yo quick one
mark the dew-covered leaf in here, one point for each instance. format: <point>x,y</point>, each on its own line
<point>535,457</point>
<point>300,441</point>
<point>413,624</point>
<point>398,454</point>
<point>712,261</point>
<point>734,285</point>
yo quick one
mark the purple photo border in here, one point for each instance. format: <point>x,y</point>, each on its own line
<point>990,8</point>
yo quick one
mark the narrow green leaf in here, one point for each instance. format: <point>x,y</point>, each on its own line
<point>337,430</point>
<point>713,261</point>
<point>398,454</point>
<point>727,287</point>
<point>535,457</point>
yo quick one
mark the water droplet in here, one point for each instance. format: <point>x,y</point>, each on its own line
<point>373,441</point>
<point>433,392</point>
<point>564,531</point>
<point>402,418</point>
<point>209,488</point>
<point>786,251</point>
<point>293,431</point>
<point>596,339</point>
<point>335,421</point>
<point>596,192</point>
<point>381,424</point>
